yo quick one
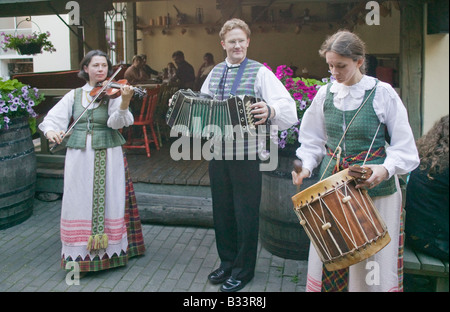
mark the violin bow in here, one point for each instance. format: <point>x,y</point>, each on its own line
<point>84,111</point>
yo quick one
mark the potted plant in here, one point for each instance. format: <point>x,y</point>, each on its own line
<point>17,155</point>
<point>280,232</point>
<point>303,92</point>
<point>16,102</point>
<point>31,44</point>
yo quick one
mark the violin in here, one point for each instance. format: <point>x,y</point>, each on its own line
<point>112,91</point>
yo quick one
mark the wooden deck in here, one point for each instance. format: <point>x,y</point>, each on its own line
<point>160,168</point>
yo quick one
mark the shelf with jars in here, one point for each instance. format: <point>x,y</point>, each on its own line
<point>166,29</point>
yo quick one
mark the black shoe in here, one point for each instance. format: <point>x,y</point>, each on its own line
<point>232,284</point>
<point>219,276</point>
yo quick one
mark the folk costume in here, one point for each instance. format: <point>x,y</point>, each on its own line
<point>322,127</point>
<point>100,224</point>
<point>236,184</point>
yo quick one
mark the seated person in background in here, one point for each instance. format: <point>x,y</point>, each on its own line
<point>171,74</point>
<point>203,71</point>
<point>147,69</point>
<point>427,199</point>
<point>135,74</point>
<point>185,71</point>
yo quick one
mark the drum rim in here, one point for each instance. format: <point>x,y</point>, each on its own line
<point>313,192</point>
<point>359,254</point>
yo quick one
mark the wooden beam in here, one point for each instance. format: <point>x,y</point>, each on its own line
<point>411,61</point>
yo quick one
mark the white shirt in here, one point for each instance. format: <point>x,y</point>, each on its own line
<point>401,155</point>
<point>269,88</point>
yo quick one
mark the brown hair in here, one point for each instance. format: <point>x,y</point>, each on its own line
<point>433,148</point>
<point>346,44</point>
<point>232,24</point>
<point>87,59</point>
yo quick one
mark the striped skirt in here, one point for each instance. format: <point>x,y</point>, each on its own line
<point>135,238</point>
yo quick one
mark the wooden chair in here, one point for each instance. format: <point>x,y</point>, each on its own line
<point>165,94</point>
<point>146,121</point>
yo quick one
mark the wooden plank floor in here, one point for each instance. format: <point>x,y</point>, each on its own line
<point>160,168</point>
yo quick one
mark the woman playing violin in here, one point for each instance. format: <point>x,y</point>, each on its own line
<point>100,225</point>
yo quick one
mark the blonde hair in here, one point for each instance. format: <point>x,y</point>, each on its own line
<point>232,24</point>
<point>346,44</point>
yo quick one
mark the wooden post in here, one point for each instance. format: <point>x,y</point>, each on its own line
<point>411,61</point>
<point>94,31</point>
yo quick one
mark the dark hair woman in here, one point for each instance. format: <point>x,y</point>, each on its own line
<point>96,231</point>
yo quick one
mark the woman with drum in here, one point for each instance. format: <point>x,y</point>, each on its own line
<point>347,124</point>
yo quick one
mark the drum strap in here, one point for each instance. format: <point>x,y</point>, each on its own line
<point>338,148</point>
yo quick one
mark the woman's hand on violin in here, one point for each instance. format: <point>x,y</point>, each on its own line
<point>54,136</point>
<point>127,92</point>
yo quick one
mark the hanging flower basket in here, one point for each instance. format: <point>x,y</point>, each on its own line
<point>27,45</point>
<point>29,48</point>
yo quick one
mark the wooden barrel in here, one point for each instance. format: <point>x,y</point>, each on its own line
<point>279,229</point>
<point>17,173</point>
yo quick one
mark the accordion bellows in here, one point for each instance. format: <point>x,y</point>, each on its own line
<point>197,114</point>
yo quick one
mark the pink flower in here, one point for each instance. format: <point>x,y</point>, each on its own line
<point>297,96</point>
<point>265,64</point>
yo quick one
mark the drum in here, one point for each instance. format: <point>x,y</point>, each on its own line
<point>341,221</point>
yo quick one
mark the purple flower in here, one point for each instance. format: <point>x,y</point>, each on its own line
<point>13,107</point>
<point>15,101</point>
<point>303,105</point>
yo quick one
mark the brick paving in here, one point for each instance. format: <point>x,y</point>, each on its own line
<point>177,259</point>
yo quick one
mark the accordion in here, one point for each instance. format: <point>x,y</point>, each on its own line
<point>197,114</point>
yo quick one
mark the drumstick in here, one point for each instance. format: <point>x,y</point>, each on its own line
<point>298,165</point>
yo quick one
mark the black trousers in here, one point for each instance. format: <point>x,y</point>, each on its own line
<point>236,195</point>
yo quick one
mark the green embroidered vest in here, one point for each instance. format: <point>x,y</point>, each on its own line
<point>358,139</point>
<point>240,148</point>
<point>246,87</point>
<point>93,122</point>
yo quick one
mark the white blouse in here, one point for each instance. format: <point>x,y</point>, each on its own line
<point>401,155</point>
